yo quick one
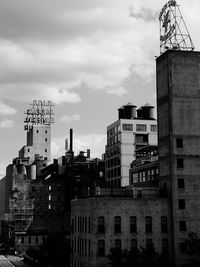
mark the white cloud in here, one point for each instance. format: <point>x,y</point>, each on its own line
<point>6,110</point>
<point>70,119</point>
<point>6,123</point>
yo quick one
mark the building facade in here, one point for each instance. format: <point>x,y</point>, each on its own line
<point>178,102</point>
<point>124,136</point>
<point>117,222</point>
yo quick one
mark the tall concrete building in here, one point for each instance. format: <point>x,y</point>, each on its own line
<point>133,130</point>
<point>178,101</point>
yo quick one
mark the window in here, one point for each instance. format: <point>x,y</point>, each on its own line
<point>49,197</point>
<point>118,244</point>
<point>37,131</point>
<point>165,246</point>
<point>133,224</point>
<point>117,224</point>
<point>101,225</point>
<point>179,142</point>
<point>179,163</point>
<point>182,226</point>
<point>149,243</point>
<point>141,127</point>
<point>133,244</point>
<point>45,158</point>
<point>164,228</point>
<point>49,187</point>
<point>153,128</point>
<point>28,150</point>
<point>127,127</point>
<point>181,183</point>
<point>101,248</point>
<point>148,222</point>
<point>139,193</point>
<point>45,131</point>
<point>45,150</point>
<point>45,139</point>
<point>181,204</point>
<point>183,247</point>
<point>22,240</point>
<point>49,206</point>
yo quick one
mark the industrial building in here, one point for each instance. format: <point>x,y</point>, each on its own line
<point>177,200</point>
<point>133,130</point>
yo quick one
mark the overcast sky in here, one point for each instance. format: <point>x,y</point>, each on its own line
<point>88,56</point>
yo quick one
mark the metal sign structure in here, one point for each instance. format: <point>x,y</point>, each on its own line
<point>173,30</point>
<point>40,113</point>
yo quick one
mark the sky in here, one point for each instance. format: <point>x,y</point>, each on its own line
<point>89,57</point>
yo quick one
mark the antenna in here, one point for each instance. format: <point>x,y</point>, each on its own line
<point>173,30</point>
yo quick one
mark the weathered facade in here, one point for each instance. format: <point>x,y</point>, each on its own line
<point>102,223</point>
<point>178,101</point>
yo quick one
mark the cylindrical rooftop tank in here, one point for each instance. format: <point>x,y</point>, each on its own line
<point>130,111</point>
<point>33,172</point>
<point>139,113</point>
<point>121,113</point>
<point>148,111</point>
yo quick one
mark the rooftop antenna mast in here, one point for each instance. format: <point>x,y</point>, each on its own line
<point>173,30</point>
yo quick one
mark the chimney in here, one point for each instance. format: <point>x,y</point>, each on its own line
<point>88,153</point>
<point>71,140</point>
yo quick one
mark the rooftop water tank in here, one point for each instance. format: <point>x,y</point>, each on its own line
<point>121,113</point>
<point>148,111</point>
<point>130,111</point>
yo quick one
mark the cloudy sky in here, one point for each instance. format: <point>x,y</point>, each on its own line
<point>88,56</point>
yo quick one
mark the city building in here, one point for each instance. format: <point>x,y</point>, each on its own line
<point>178,102</point>
<point>104,222</point>
<point>144,169</point>
<point>130,132</point>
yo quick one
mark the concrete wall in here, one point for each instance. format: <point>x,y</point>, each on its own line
<point>178,100</point>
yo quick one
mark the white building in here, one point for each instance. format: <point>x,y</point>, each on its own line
<point>131,131</point>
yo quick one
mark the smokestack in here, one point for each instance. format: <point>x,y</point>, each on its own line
<point>88,153</point>
<point>71,140</point>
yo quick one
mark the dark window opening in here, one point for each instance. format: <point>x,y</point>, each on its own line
<point>179,163</point>
<point>165,246</point>
<point>181,204</point>
<point>133,224</point>
<point>117,224</point>
<point>164,228</point>
<point>182,226</point>
<point>148,222</point>
<point>149,243</point>
<point>118,244</point>
<point>45,139</point>
<point>133,244</point>
<point>101,248</point>
<point>183,247</point>
<point>101,224</point>
<point>179,142</point>
<point>181,183</point>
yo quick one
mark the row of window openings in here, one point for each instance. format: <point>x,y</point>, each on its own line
<point>139,127</point>
<point>32,240</point>
<point>37,131</point>
<point>28,150</point>
<point>81,246</point>
<point>144,176</point>
<point>133,224</point>
<point>76,263</point>
<point>116,172</point>
<point>114,183</point>
<point>113,151</point>
<point>80,225</point>
<point>133,245</point>
<point>113,162</point>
